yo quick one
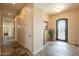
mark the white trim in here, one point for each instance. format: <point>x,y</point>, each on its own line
<point>37,51</point>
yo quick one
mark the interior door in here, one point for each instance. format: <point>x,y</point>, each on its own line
<point>62,29</point>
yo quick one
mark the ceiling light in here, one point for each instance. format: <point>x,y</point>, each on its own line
<point>58,9</point>
<point>9,13</point>
<point>13,3</point>
<point>28,10</point>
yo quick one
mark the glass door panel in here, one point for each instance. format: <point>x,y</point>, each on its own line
<point>61,29</point>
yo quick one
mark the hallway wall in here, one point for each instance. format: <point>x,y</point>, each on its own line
<point>29,28</point>
<point>38,18</point>
<point>73,22</point>
<point>24,27</point>
<point>1,30</point>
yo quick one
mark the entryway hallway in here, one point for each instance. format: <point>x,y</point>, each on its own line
<point>27,28</point>
<point>59,48</point>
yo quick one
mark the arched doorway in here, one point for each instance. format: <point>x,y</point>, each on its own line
<point>62,29</point>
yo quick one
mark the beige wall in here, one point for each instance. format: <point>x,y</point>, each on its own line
<point>30,23</point>
<point>45,33</point>
<point>38,29</point>
<point>1,23</point>
<point>73,22</point>
<point>24,27</point>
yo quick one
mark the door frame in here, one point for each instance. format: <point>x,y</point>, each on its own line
<point>66,34</point>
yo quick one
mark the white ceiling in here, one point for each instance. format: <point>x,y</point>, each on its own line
<point>54,8</point>
<point>49,8</point>
<point>42,5</point>
<point>9,9</point>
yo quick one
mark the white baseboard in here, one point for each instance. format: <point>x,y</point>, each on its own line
<point>37,51</point>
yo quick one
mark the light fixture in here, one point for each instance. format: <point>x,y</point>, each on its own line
<point>58,9</point>
<point>13,3</point>
<point>28,10</point>
<point>9,14</point>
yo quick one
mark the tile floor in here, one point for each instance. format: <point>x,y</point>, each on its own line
<point>59,48</point>
<point>14,49</point>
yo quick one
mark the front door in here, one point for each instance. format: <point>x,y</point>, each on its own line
<point>62,29</point>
